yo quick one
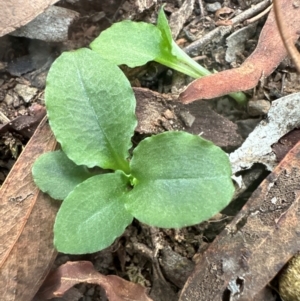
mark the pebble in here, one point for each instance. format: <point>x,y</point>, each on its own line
<point>27,93</point>
<point>8,99</point>
<point>258,107</point>
<point>213,7</point>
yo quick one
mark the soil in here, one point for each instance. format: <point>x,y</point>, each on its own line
<point>23,68</point>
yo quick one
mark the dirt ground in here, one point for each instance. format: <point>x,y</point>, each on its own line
<point>159,259</point>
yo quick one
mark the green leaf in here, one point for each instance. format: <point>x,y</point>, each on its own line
<point>163,26</point>
<point>184,180</point>
<point>54,173</point>
<point>91,109</point>
<point>92,215</point>
<point>130,43</point>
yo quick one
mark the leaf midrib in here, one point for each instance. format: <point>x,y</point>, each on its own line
<point>112,151</point>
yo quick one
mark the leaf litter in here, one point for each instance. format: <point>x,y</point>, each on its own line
<point>270,51</point>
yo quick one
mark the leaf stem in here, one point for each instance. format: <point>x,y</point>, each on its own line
<point>182,62</point>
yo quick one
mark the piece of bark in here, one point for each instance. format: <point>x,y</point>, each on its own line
<point>179,18</point>
<point>270,51</point>
<point>283,116</point>
<point>16,13</point>
<point>213,126</point>
<point>157,113</point>
<point>26,221</point>
<point>285,144</point>
<point>255,246</point>
<point>175,267</point>
<point>143,5</point>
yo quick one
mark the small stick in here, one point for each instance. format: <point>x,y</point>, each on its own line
<point>284,33</point>
<point>3,118</point>
<point>257,17</point>
<point>201,8</point>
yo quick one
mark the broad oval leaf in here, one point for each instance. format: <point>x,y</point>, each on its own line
<point>91,109</point>
<point>54,173</point>
<point>92,215</point>
<point>130,43</point>
<point>184,180</point>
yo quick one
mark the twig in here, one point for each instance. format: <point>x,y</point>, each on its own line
<point>284,33</point>
<point>3,118</point>
<point>257,17</point>
<point>223,30</point>
<point>201,8</point>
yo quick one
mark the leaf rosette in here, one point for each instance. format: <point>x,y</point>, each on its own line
<point>173,179</point>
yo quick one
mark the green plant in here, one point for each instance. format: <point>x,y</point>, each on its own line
<point>136,43</point>
<point>173,179</point>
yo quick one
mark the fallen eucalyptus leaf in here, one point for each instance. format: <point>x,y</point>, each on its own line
<point>26,222</point>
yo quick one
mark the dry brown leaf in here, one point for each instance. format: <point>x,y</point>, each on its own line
<point>224,13</point>
<point>72,273</point>
<point>270,51</point>
<point>255,246</point>
<point>16,13</point>
<point>25,124</point>
<point>285,35</point>
<point>26,222</point>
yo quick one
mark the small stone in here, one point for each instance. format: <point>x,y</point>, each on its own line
<point>50,26</point>
<point>258,107</point>
<point>16,102</point>
<point>8,99</point>
<point>213,7</point>
<point>27,93</point>
<point>91,291</point>
<point>169,114</point>
<point>187,118</point>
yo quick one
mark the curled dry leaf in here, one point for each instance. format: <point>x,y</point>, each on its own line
<point>26,222</point>
<point>224,13</point>
<point>16,13</point>
<point>270,51</point>
<point>258,242</point>
<point>72,273</point>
